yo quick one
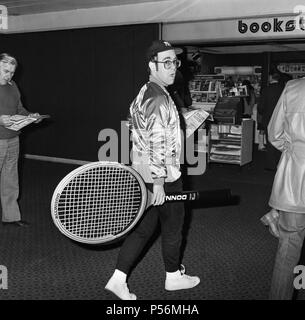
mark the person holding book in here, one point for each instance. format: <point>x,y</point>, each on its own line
<point>10,104</point>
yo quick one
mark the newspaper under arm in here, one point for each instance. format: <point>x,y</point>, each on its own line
<point>194,119</point>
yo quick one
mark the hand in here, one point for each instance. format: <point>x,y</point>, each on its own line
<point>183,110</point>
<point>158,195</point>
<point>35,115</point>
<point>5,120</point>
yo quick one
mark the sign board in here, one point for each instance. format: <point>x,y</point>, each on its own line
<point>292,26</point>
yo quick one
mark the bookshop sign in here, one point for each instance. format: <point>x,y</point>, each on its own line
<point>272,26</point>
<point>268,27</point>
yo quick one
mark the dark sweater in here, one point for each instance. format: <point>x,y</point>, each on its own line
<point>10,104</point>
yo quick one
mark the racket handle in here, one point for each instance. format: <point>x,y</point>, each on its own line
<point>217,197</point>
<point>176,196</point>
<point>182,196</point>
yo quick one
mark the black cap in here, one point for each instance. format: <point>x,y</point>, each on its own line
<point>160,46</point>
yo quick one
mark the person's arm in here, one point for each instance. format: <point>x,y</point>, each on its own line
<point>245,103</point>
<point>252,100</point>
<point>276,134</point>
<point>157,115</point>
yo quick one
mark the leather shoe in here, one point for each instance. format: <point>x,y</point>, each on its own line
<point>19,223</point>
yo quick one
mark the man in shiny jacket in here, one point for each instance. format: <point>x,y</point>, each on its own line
<point>156,153</point>
<point>286,131</point>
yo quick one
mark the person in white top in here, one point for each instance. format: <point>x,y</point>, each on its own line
<point>286,132</point>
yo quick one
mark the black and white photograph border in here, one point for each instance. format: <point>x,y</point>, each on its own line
<point>82,63</point>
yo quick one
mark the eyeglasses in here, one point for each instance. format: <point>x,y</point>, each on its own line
<point>169,63</point>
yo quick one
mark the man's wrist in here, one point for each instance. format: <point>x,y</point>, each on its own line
<point>159,181</point>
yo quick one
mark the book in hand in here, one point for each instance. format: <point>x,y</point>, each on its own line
<point>20,121</point>
<point>193,119</point>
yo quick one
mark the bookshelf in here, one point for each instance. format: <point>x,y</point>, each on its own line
<point>205,91</point>
<point>231,143</point>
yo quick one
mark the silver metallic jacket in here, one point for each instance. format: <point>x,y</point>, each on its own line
<point>156,136</point>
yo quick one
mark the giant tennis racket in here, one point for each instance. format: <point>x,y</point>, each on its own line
<point>101,201</point>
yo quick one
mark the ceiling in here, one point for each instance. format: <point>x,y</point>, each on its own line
<point>22,7</point>
<point>25,7</point>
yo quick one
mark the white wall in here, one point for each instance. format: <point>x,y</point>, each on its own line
<point>163,11</point>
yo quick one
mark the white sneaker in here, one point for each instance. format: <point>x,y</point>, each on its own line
<point>181,281</point>
<point>120,290</point>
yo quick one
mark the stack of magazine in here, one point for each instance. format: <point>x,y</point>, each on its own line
<point>20,121</point>
<point>227,143</point>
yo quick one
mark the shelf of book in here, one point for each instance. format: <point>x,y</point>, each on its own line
<point>231,143</point>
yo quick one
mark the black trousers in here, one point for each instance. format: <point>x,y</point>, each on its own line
<point>171,217</point>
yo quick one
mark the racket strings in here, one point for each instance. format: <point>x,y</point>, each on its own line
<point>100,202</point>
